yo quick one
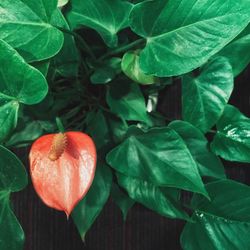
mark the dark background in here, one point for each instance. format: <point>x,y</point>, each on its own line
<point>47,229</point>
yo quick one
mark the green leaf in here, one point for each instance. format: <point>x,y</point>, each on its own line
<point>62,3</point>
<point>131,68</point>
<point>208,163</point>
<point>90,207</point>
<point>182,34</point>
<point>107,17</point>
<point>25,25</point>
<point>122,200</point>
<point>13,178</point>
<point>66,62</point>
<point>223,223</point>
<point>19,83</point>
<point>107,72</point>
<point>156,198</point>
<point>205,97</point>
<point>232,140</point>
<point>126,100</point>
<point>158,156</point>
<point>238,52</point>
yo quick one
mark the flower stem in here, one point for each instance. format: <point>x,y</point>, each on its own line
<point>60,125</point>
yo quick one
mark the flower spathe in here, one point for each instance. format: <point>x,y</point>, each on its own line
<point>62,168</point>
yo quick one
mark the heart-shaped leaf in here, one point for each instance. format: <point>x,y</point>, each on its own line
<point>223,223</point>
<point>232,141</point>
<point>92,204</point>
<point>13,178</point>
<point>19,83</point>
<point>158,156</point>
<point>25,25</point>
<point>62,168</point>
<point>161,200</point>
<point>182,34</point>
<point>205,97</point>
<point>208,163</point>
<point>107,17</point>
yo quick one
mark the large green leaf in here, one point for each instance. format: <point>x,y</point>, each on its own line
<point>107,17</point>
<point>126,100</point>
<point>25,25</point>
<point>161,200</point>
<point>238,52</point>
<point>13,178</point>
<point>205,97</point>
<point>208,163</point>
<point>158,156</point>
<point>232,140</point>
<point>19,83</point>
<point>183,34</point>
<point>90,207</point>
<point>223,223</point>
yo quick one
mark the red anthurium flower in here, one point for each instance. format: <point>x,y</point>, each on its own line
<point>62,168</point>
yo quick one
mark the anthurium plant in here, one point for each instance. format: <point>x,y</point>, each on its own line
<point>80,84</point>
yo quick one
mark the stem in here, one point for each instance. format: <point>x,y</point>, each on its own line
<point>60,125</point>
<point>122,49</point>
<point>82,42</point>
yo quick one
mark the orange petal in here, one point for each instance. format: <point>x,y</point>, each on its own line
<point>62,183</point>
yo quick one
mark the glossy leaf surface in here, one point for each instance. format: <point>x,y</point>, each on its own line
<point>25,25</point>
<point>161,200</point>
<point>205,97</point>
<point>232,141</point>
<point>63,180</point>
<point>182,34</point>
<point>223,223</point>
<point>107,17</point>
<point>158,156</point>
<point>208,163</point>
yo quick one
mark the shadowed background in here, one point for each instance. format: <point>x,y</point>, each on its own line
<point>47,229</point>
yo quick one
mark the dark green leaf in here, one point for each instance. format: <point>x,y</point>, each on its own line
<point>205,97</point>
<point>158,156</point>
<point>208,163</point>
<point>123,201</point>
<point>131,68</point>
<point>107,17</point>
<point>90,207</point>
<point>25,25</point>
<point>223,223</point>
<point>182,34</point>
<point>232,141</point>
<point>156,198</point>
<point>126,100</point>
<point>13,178</point>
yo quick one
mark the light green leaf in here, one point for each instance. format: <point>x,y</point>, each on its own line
<point>208,163</point>
<point>158,156</point>
<point>62,3</point>
<point>13,178</point>
<point>25,25</point>
<point>223,223</point>
<point>232,140</point>
<point>122,200</point>
<point>19,83</point>
<point>107,17</point>
<point>126,100</point>
<point>131,68</point>
<point>90,207</point>
<point>205,97</point>
<point>182,34</point>
<point>159,199</point>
